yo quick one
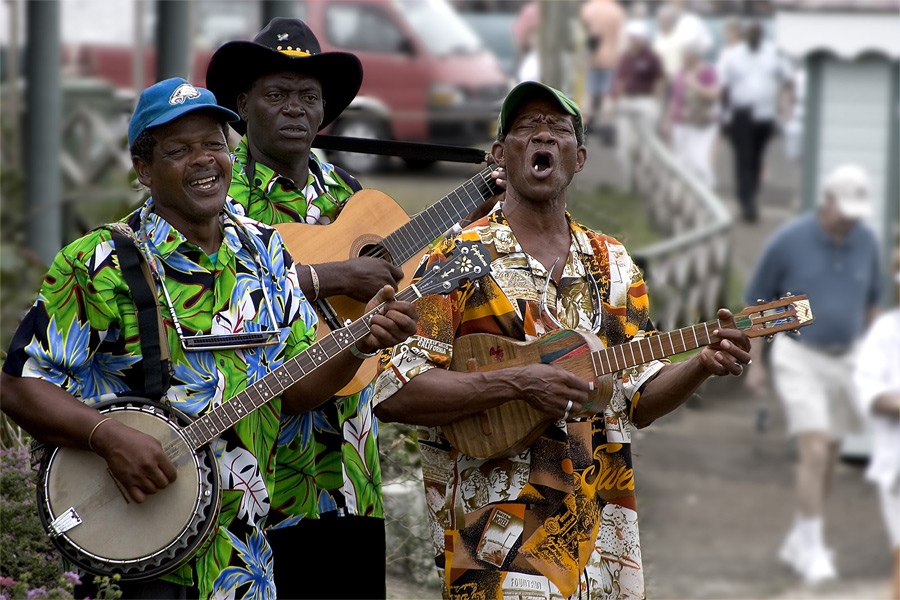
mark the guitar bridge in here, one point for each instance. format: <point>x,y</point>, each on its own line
<point>64,522</point>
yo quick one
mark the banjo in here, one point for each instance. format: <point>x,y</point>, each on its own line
<point>96,526</point>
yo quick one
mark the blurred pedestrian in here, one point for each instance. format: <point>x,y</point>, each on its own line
<point>732,35</point>
<point>831,256</point>
<point>752,75</point>
<point>692,114</point>
<point>677,28</point>
<point>524,31</point>
<point>636,92</point>
<point>877,379</point>
<point>604,20</point>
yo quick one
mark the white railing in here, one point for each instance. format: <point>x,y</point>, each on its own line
<point>687,272</point>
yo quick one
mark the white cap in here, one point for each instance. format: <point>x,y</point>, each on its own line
<point>849,186</point>
<point>638,29</point>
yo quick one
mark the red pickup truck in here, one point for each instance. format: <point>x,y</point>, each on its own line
<point>427,75</point>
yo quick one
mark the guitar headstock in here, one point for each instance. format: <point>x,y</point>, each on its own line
<point>788,313</point>
<point>468,261</point>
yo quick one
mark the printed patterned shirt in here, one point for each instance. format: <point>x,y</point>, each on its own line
<point>327,457</point>
<point>82,335</point>
<point>559,518</point>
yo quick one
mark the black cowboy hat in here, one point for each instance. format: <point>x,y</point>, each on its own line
<point>284,45</point>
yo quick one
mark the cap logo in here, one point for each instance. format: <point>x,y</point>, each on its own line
<point>183,92</point>
<point>282,36</point>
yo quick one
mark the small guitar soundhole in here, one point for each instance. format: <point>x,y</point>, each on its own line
<point>375,251</point>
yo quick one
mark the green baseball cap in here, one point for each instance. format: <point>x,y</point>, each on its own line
<point>529,90</point>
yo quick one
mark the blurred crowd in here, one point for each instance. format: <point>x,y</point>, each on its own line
<point>666,67</point>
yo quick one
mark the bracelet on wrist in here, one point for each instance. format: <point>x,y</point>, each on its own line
<point>94,430</point>
<point>315,281</point>
<point>355,351</point>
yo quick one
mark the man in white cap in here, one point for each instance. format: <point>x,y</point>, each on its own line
<point>830,255</point>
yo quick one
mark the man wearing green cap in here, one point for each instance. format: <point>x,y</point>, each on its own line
<point>562,522</point>
<point>226,313</point>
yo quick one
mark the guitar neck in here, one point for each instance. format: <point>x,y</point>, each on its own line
<point>430,224</point>
<point>663,345</point>
<point>221,418</point>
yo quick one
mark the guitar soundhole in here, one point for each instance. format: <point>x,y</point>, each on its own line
<point>375,251</point>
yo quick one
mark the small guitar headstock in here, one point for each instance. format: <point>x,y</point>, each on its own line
<point>788,313</point>
<point>468,261</point>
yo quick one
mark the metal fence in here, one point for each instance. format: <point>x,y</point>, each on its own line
<point>687,272</point>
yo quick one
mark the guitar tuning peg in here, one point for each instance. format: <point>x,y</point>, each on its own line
<point>770,337</point>
<point>787,295</point>
<point>793,331</point>
<point>760,301</point>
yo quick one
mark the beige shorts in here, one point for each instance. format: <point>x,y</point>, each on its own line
<point>815,387</point>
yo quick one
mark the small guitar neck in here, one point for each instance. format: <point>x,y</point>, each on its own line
<point>663,345</point>
<point>434,221</point>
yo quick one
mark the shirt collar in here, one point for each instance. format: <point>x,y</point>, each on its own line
<point>320,174</point>
<point>165,239</point>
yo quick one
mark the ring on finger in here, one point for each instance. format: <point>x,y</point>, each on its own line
<point>568,408</point>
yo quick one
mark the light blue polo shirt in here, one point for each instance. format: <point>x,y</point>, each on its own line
<point>841,278</point>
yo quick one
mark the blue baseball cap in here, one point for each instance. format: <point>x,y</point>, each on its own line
<point>167,100</point>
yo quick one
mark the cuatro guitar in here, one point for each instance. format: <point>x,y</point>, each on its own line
<point>510,428</point>
<point>92,521</point>
<point>373,224</point>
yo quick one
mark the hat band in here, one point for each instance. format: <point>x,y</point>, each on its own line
<point>291,52</point>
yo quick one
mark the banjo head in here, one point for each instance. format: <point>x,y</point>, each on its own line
<point>97,526</point>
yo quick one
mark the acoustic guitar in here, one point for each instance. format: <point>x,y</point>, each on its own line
<point>96,526</point>
<point>373,224</point>
<point>510,428</point>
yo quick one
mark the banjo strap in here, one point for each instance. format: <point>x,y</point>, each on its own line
<point>154,346</point>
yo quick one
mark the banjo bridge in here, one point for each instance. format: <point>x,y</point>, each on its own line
<point>64,522</point>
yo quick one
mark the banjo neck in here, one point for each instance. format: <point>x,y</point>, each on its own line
<point>469,261</point>
<point>224,416</point>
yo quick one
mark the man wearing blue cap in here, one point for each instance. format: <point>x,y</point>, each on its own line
<point>555,517</point>
<point>231,312</point>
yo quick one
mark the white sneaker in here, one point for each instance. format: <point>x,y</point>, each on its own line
<point>792,551</point>
<point>819,567</point>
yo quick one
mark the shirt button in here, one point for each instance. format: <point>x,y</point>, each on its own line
<point>257,181</point>
<point>222,362</point>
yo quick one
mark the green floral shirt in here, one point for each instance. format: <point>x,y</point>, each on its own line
<point>327,457</point>
<point>82,335</point>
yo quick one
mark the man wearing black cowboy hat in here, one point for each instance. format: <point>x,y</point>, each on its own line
<point>285,89</point>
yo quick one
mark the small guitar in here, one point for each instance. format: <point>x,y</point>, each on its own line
<point>92,521</point>
<point>512,427</point>
<point>373,224</point>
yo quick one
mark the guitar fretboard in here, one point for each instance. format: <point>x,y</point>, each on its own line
<point>432,222</point>
<point>218,420</point>
<point>662,345</point>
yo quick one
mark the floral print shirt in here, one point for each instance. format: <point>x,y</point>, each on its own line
<point>327,457</point>
<point>82,335</point>
<point>559,519</point>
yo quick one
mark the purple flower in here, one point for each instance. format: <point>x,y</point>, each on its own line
<point>38,593</point>
<point>73,577</point>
